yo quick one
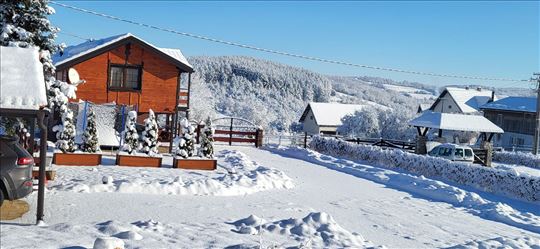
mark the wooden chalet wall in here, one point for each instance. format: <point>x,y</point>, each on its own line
<point>159,80</point>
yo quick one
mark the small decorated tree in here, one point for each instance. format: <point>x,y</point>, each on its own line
<point>90,137</point>
<point>130,135</point>
<point>150,135</point>
<point>207,140</point>
<point>185,143</point>
<point>65,131</point>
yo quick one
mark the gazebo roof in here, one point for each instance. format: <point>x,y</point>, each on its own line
<point>455,122</point>
<point>22,84</point>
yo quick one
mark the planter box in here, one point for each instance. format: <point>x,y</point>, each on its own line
<point>138,161</point>
<point>49,174</point>
<point>200,164</point>
<point>48,161</point>
<point>77,159</point>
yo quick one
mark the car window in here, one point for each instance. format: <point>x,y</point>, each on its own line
<point>459,152</point>
<point>441,151</point>
<point>445,151</point>
<point>468,153</point>
<point>434,151</point>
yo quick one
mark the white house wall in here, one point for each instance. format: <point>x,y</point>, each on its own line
<point>310,126</point>
<point>447,104</point>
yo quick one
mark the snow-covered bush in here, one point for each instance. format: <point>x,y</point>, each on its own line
<point>90,137</point>
<point>65,131</point>
<point>525,187</point>
<point>519,158</point>
<point>373,122</point>
<point>184,143</point>
<point>130,135</point>
<point>207,140</point>
<point>364,123</point>
<point>150,135</point>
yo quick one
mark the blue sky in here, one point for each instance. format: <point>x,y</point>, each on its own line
<point>492,39</point>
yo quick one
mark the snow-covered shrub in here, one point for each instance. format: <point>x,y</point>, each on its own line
<point>130,135</point>
<point>90,137</point>
<point>184,143</point>
<point>519,158</point>
<point>525,187</point>
<point>150,135</point>
<point>374,122</point>
<point>207,140</point>
<point>65,131</point>
<point>364,123</point>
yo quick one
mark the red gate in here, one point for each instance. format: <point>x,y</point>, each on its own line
<point>235,130</point>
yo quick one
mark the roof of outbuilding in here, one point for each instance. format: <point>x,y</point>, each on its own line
<point>518,104</point>
<point>330,114</point>
<point>468,100</point>
<point>22,84</point>
<point>75,52</point>
<point>455,122</point>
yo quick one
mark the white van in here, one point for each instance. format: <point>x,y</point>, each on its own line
<point>453,152</point>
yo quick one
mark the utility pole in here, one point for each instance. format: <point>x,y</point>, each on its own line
<point>537,130</point>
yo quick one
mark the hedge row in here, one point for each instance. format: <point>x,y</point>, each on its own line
<point>483,178</point>
<point>519,158</point>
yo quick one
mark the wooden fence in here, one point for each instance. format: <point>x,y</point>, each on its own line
<point>235,133</point>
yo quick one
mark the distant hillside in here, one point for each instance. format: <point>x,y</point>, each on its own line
<point>274,95</point>
<point>271,94</point>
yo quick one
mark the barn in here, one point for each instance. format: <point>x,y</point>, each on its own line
<point>325,118</point>
<point>127,70</point>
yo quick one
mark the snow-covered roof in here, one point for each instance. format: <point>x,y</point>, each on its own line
<point>455,122</point>
<point>519,104</point>
<point>468,100</point>
<point>22,84</point>
<point>73,52</point>
<point>330,114</point>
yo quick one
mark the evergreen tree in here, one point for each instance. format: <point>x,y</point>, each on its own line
<point>90,137</point>
<point>65,132</point>
<point>130,135</point>
<point>207,140</point>
<point>150,135</point>
<point>185,143</point>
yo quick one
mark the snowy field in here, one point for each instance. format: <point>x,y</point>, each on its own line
<point>411,91</point>
<point>276,197</point>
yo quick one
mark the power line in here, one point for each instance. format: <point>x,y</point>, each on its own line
<point>279,52</point>
<point>76,36</point>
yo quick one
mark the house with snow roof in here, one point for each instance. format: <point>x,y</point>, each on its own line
<point>126,70</point>
<point>325,118</point>
<point>516,116</point>
<point>462,100</point>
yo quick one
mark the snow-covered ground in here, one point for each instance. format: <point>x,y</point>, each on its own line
<point>324,207</point>
<point>411,91</point>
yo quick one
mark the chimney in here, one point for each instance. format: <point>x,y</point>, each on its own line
<point>479,88</point>
<point>492,96</point>
<point>467,88</point>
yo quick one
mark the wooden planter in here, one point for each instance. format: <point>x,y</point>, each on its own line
<point>77,159</point>
<point>200,164</point>
<point>138,161</point>
<point>49,174</point>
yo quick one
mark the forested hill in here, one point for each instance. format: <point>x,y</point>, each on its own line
<point>271,94</point>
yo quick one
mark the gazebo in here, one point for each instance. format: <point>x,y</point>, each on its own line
<point>453,122</point>
<point>23,95</point>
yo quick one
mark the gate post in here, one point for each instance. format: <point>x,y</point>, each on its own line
<point>259,138</point>
<point>230,134</point>
<point>421,147</point>
<point>489,152</point>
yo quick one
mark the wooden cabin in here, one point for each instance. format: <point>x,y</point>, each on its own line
<point>127,70</point>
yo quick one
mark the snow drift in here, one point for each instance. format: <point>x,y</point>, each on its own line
<point>236,175</point>
<point>508,183</point>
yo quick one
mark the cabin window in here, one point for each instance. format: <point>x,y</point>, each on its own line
<point>125,77</point>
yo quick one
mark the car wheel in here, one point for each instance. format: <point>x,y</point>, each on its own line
<point>1,197</point>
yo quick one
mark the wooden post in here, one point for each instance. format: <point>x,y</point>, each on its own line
<point>421,147</point>
<point>230,134</point>
<point>42,122</point>
<point>198,130</point>
<point>259,138</point>
<point>305,140</point>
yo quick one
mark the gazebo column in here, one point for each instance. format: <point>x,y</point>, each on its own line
<point>488,146</point>
<point>421,139</point>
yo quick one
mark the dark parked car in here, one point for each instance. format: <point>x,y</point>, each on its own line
<point>15,170</point>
